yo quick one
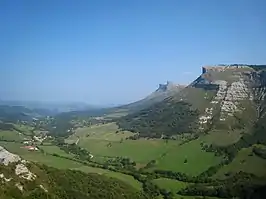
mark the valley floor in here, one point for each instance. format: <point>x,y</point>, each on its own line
<point>107,144</point>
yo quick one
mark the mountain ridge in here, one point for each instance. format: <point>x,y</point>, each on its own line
<point>222,96</point>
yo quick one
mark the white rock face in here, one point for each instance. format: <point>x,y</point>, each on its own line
<point>221,91</point>
<point>19,186</point>
<point>6,157</point>
<point>228,96</point>
<point>2,176</point>
<point>42,187</point>
<point>22,171</point>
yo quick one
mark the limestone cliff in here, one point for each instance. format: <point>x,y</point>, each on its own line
<point>240,89</point>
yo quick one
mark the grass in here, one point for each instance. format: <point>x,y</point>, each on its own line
<point>11,135</point>
<point>24,128</point>
<point>37,156</point>
<point>118,113</point>
<point>244,161</point>
<point>169,184</point>
<point>52,149</point>
<point>123,177</point>
<point>104,141</point>
<point>62,163</point>
<point>103,132</point>
<point>222,137</point>
<point>197,159</point>
<point>141,151</point>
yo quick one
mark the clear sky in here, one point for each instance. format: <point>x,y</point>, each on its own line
<point>118,51</point>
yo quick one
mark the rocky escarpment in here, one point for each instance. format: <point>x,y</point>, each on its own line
<point>19,169</point>
<point>223,97</point>
<point>169,86</point>
<point>238,87</point>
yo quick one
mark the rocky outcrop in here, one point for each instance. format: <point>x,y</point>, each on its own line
<point>23,172</point>
<point>169,86</point>
<point>244,86</point>
<point>6,157</point>
<point>20,171</point>
<point>162,92</point>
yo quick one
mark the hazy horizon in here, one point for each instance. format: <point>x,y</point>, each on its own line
<point>115,52</point>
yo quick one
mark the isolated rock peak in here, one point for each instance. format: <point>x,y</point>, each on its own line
<point>168,86</point>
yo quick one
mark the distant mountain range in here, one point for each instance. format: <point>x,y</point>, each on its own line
<point>162,92</point>
<point>50,108</point>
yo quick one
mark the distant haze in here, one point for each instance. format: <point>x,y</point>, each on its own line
<point>114,52</point>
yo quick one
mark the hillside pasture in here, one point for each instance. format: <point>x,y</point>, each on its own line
<point>107,131</point>
<point>245,161</point>
<point>222,137</point>
<point>61,163</point>
<point>25,129</point>
<point>170,184</point>
<point>52,149</point>
<point>117,113</point>
<point>11,135</point>
<point>123,177</point>
<point>188,158</point>
<point>141,151</point>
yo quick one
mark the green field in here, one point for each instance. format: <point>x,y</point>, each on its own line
<point>51,149</point>
<point>244,161</point>
<point>222,138</point>
<point>102,132</point>
<point>169,184</point>
<point>24,128</point>
<point>141,151</point>
<point>197,159</point>
<point>11,135</point>
<point>120,176</point>
<point>103,140</point>
<point>117,113</point>
<point>62,163</point>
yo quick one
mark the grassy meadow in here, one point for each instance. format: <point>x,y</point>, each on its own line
<point>170,184</point>
<point>61,163</point>
<point>188,158</point>
<point>107,141</point>
<point>244,161</point>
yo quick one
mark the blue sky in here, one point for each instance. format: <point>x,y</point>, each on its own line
<point>118,51</point>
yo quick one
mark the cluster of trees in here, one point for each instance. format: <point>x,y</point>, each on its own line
<point>121,162</point>
<point>232,187</point>
<point>166,118</point>
<point>80,153</point>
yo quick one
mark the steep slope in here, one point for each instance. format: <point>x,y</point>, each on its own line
<point>163,91</point>
<point>222,97</point>
<point>20,179</point>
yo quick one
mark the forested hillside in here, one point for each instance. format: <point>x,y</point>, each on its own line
<point>162,119</point>
<point>24,180</point>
